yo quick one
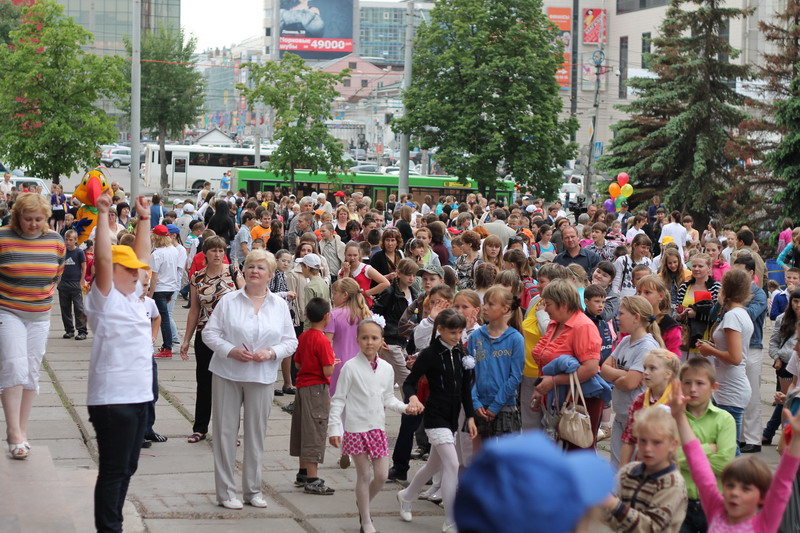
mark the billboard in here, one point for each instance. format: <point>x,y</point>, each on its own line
<point>316,29</point>
<point>561,17</point>
<point>594,26</point>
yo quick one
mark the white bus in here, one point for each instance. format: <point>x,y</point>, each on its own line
<point>189,165</point>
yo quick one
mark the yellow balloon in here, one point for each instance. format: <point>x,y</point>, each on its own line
<point>626,190</point>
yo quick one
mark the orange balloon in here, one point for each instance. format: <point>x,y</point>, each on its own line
<point>614,190</point>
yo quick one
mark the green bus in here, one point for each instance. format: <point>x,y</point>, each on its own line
<point>376,186</point>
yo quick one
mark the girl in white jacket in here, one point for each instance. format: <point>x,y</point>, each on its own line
<point>366,382</point>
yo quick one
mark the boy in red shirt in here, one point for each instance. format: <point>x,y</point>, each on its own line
<point>315,362</point>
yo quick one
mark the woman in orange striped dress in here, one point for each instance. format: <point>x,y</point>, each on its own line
<point>31,261</point>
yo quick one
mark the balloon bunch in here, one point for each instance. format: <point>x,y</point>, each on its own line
<point>619,191</point>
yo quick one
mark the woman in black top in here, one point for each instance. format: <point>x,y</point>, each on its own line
<point>222,224</point>
<point>450,390</point>
<point>342,218</point>
<point>385,261</point>
<point>403,223</point>
<point>276,241</point>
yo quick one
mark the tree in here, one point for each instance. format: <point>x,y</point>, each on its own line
<point>784,161</point>
<point>49,123</point>
<point>484,93</point>
<point>677,139</point>
<point>301,98</point>
<point>10,15</point>
<point>172,88</point>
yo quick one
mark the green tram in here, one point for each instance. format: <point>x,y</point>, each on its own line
<point>376,186</point>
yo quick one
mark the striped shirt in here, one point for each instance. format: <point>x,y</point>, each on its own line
<point>29,270</point>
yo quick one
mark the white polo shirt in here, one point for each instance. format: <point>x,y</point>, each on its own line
<point>121,366</point>
<point>166,263</point>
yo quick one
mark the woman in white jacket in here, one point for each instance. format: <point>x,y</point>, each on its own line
<point>250,332</point>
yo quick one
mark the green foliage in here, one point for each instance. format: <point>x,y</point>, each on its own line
<point>784,161</point>
<point>301,98</point>
<point>172,89</point>
<point>48,88</point>
<point>677,137</point>
<point>484,93</point>
<point>10,15</point>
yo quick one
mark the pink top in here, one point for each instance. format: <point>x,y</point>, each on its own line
<point>784,238</point>
<point>672,340</point>
<point>765,521</point>
<point>718,269</point>
<point>345,340</point>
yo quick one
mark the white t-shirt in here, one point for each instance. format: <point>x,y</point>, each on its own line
<point>121,365</point>
<point>632,233</point>
<point>734,388</point>
<point>164,261</point>
<point>677,232</point>
<point>630,356</point>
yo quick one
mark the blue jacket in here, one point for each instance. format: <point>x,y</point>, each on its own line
<point>596,387</point>
<point>498,368</point>
<point>757,309</point>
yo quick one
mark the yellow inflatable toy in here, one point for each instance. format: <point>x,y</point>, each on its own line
<point>93,184</point>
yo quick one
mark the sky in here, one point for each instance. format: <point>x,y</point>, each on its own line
<point>218,23</point>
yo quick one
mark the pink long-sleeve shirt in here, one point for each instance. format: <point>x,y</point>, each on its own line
<point>767,520</point>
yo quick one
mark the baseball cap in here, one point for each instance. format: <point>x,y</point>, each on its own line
<point>161,230</point>
<point>188,208</point>
<point>125,256</point>
<point>546,257</point>
<point>339,193</point>
<point>319,212</point>
<point>172,228</point>
<point>431,269</point>
<point>623,204</point>
<point>454,231</point>
<point>177,201</point>
<point>310,260</point>
<point>531,208</point>
<point>527,484</point>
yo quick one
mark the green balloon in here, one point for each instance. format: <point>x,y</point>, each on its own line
<point>618,201</point>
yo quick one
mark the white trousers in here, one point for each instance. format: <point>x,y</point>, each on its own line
<point>227,400</point>
<point>22,347</point>
<point>752,425</point>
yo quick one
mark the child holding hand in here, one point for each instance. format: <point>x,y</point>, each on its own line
<point>363,379</point>
<point>752,499</point>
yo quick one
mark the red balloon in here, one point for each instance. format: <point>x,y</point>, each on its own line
<point>622,178</point>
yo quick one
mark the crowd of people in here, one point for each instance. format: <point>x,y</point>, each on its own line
<point>473,319</point>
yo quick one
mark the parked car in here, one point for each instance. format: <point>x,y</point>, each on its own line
<point>116,157</point>
<point>365,167</point>
<point>395,171</point>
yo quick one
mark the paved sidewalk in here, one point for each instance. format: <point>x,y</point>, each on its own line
<point>173,490</point>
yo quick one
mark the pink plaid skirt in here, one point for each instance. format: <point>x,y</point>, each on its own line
<point>373,443</point>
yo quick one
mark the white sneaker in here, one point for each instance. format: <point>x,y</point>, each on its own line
<point>426,494</point>
<point>258,501</point>
<point>405,506</point>
<point>233,503</point>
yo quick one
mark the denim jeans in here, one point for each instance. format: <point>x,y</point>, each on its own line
<point>737,413</point>
<point>172,325</point>
<point>120,432</point>
<point>162,300</point>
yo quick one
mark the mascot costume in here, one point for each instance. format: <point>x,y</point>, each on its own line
<point>93,184</point>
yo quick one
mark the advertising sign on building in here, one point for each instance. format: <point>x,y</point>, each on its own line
<point>561,17</point>
<point>317,29</point>
<point>594,26</point>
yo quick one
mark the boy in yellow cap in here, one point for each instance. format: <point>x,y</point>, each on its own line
<point>120,369</point>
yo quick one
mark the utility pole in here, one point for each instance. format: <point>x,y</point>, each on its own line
<point>402,184</point>
<point>136,96</point>
<point>598,57</point>
<point>573,99</point>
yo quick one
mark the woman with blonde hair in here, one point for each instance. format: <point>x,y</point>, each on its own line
<point>164,263</point>
<point>672,272</point>
<point>491,251</point>
<point>250,332</point>
<point>652,289</point>
<point>31,257</point>
<point>350,308</point>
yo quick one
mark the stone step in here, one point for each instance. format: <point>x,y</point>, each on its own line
<point>31,496</point>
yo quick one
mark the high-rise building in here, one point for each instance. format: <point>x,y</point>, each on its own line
<point>382,30</point>
<point>110,20</point>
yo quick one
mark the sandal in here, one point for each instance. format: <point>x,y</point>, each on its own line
<point>603,433</point>
<point>18,451</point>
<point>289,390</point>
<point>196,437</point>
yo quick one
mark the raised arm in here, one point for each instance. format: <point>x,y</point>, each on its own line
<point>142,245</point>
<point>103,267</point>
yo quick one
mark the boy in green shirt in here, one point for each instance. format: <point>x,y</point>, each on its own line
<point>315,286</point>
<point>714,427</point>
